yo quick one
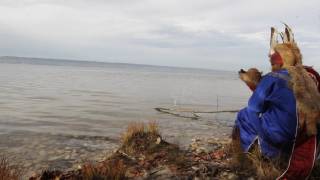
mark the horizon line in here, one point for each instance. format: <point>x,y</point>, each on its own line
<point>107,62</point>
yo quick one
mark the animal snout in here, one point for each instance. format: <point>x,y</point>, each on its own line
<point>242,71</point>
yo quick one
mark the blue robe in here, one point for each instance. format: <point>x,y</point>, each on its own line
<point>270,116</point>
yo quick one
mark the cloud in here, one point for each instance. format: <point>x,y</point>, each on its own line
<point>218,34</point>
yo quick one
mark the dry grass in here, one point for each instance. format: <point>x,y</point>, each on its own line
<point>253,162</point>
<point>108,170</point>
<point>8,172</point>
<point>235,151</point>
<point>239,161</point>
<point>139,137</point>
<point>139,129</point>
<point>144,141</point>
<point>264,168</point>
<point>133,129</point>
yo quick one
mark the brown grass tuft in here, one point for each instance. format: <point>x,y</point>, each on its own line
<point>253,162</point>
<point>264,168</point>
<point>133,129</point>
<point>239,160</point>
<point>107,170</point>
<point>153,128</point>
<point>139,137</point>
<point>7,171</point>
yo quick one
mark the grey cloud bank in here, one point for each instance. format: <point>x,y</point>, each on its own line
<point>216,34</point>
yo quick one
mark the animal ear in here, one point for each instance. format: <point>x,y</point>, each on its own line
<point>284,37</point>
<point>273,40</point>
<point>288,34</point>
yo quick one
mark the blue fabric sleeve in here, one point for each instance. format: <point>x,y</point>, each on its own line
<point>258,101</point>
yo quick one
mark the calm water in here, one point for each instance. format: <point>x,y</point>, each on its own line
<point>54,113</point>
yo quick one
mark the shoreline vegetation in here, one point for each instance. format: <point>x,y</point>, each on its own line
<point>144,154</point>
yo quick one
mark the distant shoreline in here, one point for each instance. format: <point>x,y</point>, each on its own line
<point>57,61</point>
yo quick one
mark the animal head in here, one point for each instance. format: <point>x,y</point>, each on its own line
<point>285,54</point>
<point>251,77</point>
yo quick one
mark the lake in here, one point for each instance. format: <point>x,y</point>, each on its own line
<point>55,112</point>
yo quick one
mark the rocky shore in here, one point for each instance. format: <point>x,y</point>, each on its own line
<point>144,154</point>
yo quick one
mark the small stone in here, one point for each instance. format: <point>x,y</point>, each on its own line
<point>224,174</point>
<point>232,176</point>
<point>158,140</point>
<point>196,140</point>
<point>142,157</point>
<point>211,141</point>
<point>199,151</point>
<point>195,168</point>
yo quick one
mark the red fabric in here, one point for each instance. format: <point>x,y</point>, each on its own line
<point>315,75</point>
<point>305,148</point>
<point>302,160</point>
<point>276,59</point>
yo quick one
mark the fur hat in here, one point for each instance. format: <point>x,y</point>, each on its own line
<point>290,54</point>
<point>288,51</point>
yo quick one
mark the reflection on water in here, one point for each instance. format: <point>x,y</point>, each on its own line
<point>44,108</point>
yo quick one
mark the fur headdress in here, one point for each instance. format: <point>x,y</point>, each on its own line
<point>288,56</point>
<point>286,53</point>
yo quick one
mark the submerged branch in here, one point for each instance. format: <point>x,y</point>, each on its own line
<point>194,114</point>
<point>169,111</point>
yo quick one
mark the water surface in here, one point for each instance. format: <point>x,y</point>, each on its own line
<point>54,113</point>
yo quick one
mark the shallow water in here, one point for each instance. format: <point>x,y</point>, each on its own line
<point>53,115</point>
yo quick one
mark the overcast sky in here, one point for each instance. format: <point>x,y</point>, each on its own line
<point>216,34</point>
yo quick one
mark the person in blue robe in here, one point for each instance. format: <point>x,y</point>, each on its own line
<point>270,117</point>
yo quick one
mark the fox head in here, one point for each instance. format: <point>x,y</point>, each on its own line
<point>251,77</point>
<point>285,54</point>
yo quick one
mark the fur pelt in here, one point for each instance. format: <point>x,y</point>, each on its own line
<point>251,77</point>
<point>303,85</point>
<point>307,97</point>
<point>290,54</point>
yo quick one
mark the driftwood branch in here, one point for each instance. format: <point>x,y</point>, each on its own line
<point>169,111</point>
<point>176,112</point>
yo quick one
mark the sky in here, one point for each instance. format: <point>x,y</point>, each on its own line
<point>214,34</point>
